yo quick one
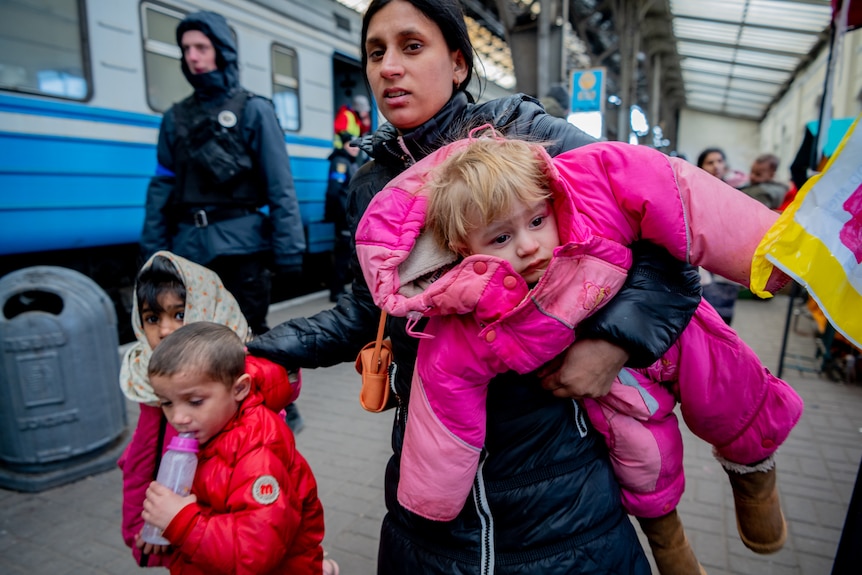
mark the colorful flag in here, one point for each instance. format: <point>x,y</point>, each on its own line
<point>817,240</point>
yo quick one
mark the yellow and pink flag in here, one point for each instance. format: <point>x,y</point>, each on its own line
<point>817,240</point>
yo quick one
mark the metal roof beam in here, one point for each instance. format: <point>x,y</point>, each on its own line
<point>740,23</point>
<point>728,62</point>
<point>714,44</point>
<point>488,18</point>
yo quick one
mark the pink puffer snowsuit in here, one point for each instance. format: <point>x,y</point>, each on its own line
<point>484,320</point>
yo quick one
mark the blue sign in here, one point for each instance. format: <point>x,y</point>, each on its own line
<point>588,90</point>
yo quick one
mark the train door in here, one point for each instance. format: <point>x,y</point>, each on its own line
<point>348,82</point>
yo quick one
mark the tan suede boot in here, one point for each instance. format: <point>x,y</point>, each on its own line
<point>759,518</point>
<point>670,548</point>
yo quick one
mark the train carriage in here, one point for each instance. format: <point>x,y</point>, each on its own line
<point>83,84</point>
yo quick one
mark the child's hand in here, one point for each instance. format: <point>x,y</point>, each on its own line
<point>149,548</point>
<point>162,505</point>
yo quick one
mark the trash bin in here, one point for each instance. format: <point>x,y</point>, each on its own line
<point>62,414</point>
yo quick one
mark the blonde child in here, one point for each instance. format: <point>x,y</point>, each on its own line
<point>253,506</point>
<point>508,252</point>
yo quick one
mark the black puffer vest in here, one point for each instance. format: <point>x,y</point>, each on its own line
<point>214,167</point>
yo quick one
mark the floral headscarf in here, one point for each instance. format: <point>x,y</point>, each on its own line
<point>206,300</point>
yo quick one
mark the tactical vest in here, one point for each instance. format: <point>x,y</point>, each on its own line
<point>213,165</point>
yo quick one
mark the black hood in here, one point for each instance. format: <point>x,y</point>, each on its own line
<point>226,78</point>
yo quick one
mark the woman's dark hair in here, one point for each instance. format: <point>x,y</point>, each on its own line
<point>157,279</point>
<point>702,157</point>
<point>448,16</point>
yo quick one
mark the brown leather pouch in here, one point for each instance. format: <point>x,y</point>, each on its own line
<point>372,364</point>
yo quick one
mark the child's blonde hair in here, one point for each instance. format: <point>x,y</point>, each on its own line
<point>482,183</point>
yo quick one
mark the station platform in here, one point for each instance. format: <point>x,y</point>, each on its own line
<point>75,528</point>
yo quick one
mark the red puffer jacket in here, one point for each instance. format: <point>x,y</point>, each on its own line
<point>257,509</point>
<point>138,461</point>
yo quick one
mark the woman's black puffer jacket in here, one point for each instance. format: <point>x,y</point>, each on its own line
<point>544,500</point>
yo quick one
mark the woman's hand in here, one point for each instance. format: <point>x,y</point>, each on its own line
<point>586,369</point>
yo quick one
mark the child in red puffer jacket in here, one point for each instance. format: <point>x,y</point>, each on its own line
<point>253,506</point>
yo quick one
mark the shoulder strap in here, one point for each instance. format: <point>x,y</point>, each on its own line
<point>378,343</point>
<point>236,103</point>
<point>182,110</point>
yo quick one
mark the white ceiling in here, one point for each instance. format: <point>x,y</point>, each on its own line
<point>358,5</point>
<point>736,56</point>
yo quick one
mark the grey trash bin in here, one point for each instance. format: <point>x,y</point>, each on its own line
<point>62,414</point>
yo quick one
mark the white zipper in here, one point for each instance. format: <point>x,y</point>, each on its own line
<point>483,510</point>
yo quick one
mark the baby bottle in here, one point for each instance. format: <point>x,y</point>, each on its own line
<point>177,473</point>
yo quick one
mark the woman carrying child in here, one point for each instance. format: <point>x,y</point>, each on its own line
<point>508,252</point>
<point>545,500</point>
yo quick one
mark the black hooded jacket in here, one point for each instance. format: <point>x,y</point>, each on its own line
<point>169,226</point>
<point>545,500</point>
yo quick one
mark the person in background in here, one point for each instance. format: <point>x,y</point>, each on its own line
<point>761,182</point>
<point>253,506</point>
<point>171,291</point>
<point>343,163</point>
<point>714,161</point>
<point>541,454</point>
<point>556,102</point>
<point>222,157</point>
<point>352,121</point>
<point>720,292</point>
<point>363,110</point>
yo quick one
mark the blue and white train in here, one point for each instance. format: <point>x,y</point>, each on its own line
<point>83,84</point>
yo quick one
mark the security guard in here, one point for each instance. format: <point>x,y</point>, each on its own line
<point>343,163</point>
<point>221,158</point>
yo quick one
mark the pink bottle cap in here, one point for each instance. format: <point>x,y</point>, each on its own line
<point>184,442</point>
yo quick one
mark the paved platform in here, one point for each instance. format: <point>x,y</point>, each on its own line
<point>74,528</point>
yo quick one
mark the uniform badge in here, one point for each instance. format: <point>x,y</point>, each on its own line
<point>265,490</point>
<point>341,168</point>
<point>227,118</point>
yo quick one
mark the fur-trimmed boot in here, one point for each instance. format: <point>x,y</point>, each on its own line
<point>759,518</point>
<point>670,547</point>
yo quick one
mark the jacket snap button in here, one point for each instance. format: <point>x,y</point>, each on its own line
<point>509,282</point>
<point>768,443</point>
<point>480,267</point>
<point>490,336</point>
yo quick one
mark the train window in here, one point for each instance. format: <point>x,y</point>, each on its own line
<point>42,48</point>
<point>285,87</point>
<point>165,81</point>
